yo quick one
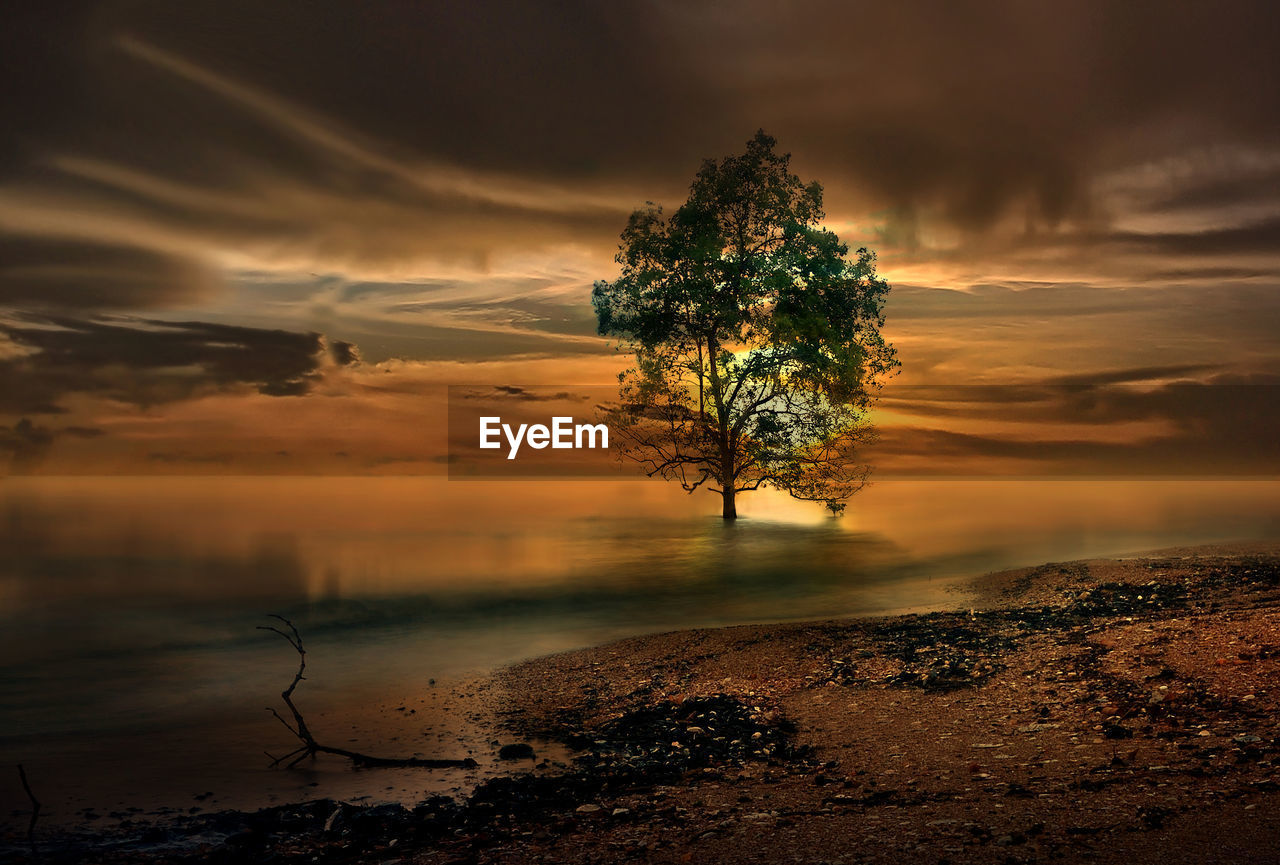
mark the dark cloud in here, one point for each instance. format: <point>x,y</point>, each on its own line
<point>44,273</point>
<point>572,90</point>
<point>1134,374</point>
<point>1226,412</point>
<point>1226,424</point>
<point>84,432</point>
<point>975,108</point>
<point>396,459</point>
<point>321,165</point>
<point>343,353</point>
<point>916,451</point>
<point>1256,237</point>
<point>977,103</point>
<point>146,362</point>
<point>1204,251</point>
<point>43,55</point>
<point>1106,398</point>
<point>1217,191</point>
<point>519,394</point>
<point>183,457</point>
<point>1086,328</point>
<point>25,443</point>
<point>981,105</point>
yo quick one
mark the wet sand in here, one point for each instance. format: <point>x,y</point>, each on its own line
<point>1095,711</point>
<point>1104,711</point>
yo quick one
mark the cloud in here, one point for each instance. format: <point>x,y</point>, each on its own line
<point>510,393</point>
<point>179,458</point>
<point>1135,421</point>
<point>938,452</point>
<point>1135,374</point>
<point>25,443</point>
<point>469,136</point>
<point>148,362</point>
<point>1262,237</point>
<point>84,432</point>
<point>54,273</point>
<point>343,353</point>
<point>1098,183</point>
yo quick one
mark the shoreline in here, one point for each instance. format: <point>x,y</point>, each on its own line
<point>1101,710</point>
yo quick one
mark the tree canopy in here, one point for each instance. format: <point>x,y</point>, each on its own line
<point>756,336</point>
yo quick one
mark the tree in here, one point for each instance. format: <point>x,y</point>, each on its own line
<point>756,337</point>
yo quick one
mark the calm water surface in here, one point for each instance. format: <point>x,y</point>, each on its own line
<point>131,672</point>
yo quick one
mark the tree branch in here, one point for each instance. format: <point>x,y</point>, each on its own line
<point>310,747</point>
<point>35,811</point>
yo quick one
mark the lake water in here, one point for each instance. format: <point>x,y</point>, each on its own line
<point>132,672</point>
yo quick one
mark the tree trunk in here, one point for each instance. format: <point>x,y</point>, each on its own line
<point>730,508</point>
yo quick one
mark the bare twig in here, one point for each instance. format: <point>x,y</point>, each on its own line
<point>310,747</point>
<point>35,811</point>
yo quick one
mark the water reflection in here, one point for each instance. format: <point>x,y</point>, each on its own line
<point>128,605</point>
<point>106,566</point>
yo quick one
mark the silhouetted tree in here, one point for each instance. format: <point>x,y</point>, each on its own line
<point>756,338</point>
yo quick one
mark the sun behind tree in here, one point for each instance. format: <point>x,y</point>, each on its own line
<point>756,339</point>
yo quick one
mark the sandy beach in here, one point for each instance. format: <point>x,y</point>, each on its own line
<point>1096,711</point>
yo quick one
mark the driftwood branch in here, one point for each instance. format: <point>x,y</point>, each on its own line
<point>35,811</point>
<point>309,747</point>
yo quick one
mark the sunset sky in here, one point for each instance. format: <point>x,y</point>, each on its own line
<point>247,237</point>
